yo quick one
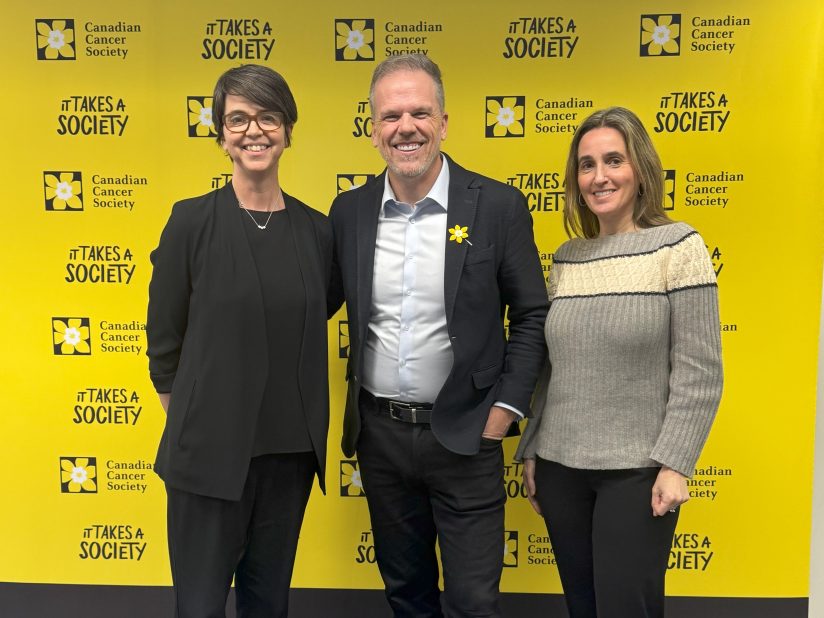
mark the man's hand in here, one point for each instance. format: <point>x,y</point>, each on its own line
<point>498,422</point>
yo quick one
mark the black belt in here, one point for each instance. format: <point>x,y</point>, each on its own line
<point>406,411</point>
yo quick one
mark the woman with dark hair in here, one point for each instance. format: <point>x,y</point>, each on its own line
<point>633,378</point>
<point>237,347</point>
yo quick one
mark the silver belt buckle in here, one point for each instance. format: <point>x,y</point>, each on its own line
<point>400,405</point>
<point>392,411</point>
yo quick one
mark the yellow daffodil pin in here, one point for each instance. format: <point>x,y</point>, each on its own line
<point>459,235</point>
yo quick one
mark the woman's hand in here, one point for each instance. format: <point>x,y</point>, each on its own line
<point>164,401</point>
<point>529,483</point>
<point>670,490</point>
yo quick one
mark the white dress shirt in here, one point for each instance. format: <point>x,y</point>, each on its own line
<point>407,353</point>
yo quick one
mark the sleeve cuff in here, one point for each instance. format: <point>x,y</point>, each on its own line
<point>519,414</point>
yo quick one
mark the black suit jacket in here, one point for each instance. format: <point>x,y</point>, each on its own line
<point>207,340</point>
<point>500,270</point>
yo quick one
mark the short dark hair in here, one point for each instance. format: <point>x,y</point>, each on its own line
<point>407,62</point>
<point>260,85</point>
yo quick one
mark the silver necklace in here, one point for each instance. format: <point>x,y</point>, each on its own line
<point>259,226</point>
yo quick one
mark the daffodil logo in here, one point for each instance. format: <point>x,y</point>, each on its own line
<point>64,190</point>
<point>661,35</point>
<point>669,189</point>
<point>200,117</point>
<point>71,336</point>
<point>505,116</point>
<point>459,234</point>
<point>347,182</point>
<point>351,485</point>
<point>77,475</point>
<point>55,39</point>
<point>511,548</point>
<point>343,339</point>
<point>355,39</point>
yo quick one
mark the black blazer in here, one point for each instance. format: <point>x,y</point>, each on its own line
<point>499,270</point>
<point>207,340</point>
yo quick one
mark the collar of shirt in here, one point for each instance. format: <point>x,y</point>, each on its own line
<point>438,196</point>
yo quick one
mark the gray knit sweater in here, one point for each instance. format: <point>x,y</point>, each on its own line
<point>634,374</point>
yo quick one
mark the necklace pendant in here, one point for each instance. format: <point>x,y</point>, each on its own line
<point>252,217</point>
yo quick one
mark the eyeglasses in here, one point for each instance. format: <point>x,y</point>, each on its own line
<point>238,122</point>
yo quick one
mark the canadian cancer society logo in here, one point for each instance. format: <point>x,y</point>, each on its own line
<point>63,190</point>
<point>354,39</point>
<point>505,116</point>
<point>78,475</point>
<point>511,548</point>
<point>201,123</point>
<point>669,189</point>
<point>347,182</point>
<point>343,339</point>
<point>661,35</point>
<point>55,39</point>
<point>351,485</point>
<point>71,336</point>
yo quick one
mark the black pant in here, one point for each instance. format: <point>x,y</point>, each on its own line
<point>419,492</point>
<point>254,538</point>
<point>611,552</point>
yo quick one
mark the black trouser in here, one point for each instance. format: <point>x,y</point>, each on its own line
<point>254,539</point>
<point>419,492</point>
<point>611,552</point>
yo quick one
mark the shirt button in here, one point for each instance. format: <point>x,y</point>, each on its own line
<point>412,221</point>
<point>409,292</point>
<point>403,363</point>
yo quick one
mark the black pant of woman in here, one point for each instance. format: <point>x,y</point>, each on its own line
<point>254,539</point>
<point>611,552</point>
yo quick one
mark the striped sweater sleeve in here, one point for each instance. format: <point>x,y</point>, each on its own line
<point>696,378</point>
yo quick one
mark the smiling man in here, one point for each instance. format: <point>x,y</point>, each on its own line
<point>430,258</point>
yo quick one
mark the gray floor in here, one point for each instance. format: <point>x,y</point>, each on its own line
<point>61,601</point>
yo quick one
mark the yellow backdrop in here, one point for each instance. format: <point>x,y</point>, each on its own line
<point>108,122</point>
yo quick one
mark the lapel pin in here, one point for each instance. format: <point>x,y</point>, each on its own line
<point>459,235</point>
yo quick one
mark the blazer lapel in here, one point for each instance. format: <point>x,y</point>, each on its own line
<point>463,202</point>
<point>306,248</point>
<point>231,227</point>
<point>243,272</point>
<point>368,210</point>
